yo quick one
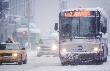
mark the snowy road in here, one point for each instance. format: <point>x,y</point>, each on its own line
<point>52,64</point>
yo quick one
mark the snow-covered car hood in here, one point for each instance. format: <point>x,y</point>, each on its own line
<point>46,45</point>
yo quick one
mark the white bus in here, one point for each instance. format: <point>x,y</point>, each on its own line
<point>81,35</point>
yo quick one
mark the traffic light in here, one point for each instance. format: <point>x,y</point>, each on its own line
<point>24,32</point>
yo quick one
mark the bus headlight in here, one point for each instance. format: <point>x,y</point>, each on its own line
<point>96,49</point>
<point>54,47</point>
<point>63,50</point>
<point>38,48</point>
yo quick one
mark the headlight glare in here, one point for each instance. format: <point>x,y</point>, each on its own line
<point>38,48</point>
<point>63,50</point>
<point>54,47</point>
<point>15,54</point>
<point>96,49</point>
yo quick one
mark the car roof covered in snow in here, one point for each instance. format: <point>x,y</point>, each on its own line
<point>26,29</point>
<point>10,43</point>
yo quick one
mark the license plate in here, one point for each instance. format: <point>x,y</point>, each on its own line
<point>80,47</point>
<point>5,57</point>
<point>45,49</point>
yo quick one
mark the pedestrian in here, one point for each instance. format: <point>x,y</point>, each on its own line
<point>9,41</point>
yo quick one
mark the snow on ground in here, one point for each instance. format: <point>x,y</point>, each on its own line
<point>52,64</point>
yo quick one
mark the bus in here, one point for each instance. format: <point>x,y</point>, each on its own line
<point>82,36</point>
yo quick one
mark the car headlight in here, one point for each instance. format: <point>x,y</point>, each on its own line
<point>96,49</point>
<point>38,48</point>
<point>54,47</point>
<point>63,50</point>
<point>15,54</point>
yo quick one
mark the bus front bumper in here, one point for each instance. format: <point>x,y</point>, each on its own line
<point>80,56</point>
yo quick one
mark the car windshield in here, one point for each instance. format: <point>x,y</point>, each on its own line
<point>46,41</point>
<point>9,47</point>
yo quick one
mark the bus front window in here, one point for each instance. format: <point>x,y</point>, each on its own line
<point>79,27</point>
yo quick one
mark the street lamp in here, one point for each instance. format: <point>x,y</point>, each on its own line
<point>62,5</point>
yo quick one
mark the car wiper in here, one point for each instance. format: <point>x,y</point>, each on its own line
<point>9,49</point>
<point>2,49</point>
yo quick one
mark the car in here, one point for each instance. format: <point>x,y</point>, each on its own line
<point>12,52</point>
<point>47,46</point>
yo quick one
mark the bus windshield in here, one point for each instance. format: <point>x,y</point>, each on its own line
<point>79,27</point>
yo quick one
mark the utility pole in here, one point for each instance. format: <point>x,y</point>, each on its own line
<point>60,5</point>
<point>29,24</point>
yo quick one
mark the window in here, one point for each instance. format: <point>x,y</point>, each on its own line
<point>9,47</point>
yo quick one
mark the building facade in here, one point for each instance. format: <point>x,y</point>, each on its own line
<point>17,15</point>
<point>22,9</point>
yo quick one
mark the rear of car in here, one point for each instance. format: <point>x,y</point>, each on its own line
<point>12,52</point>
<point>47,47</point>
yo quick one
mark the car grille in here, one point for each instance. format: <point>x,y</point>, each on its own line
<point>46,49</point>
<point>6,54</point>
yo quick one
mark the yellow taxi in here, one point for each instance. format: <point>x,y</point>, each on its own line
<point>12,52</point>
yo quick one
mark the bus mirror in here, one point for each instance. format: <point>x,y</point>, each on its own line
<point>56,26</point>
<point>104,29</point>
